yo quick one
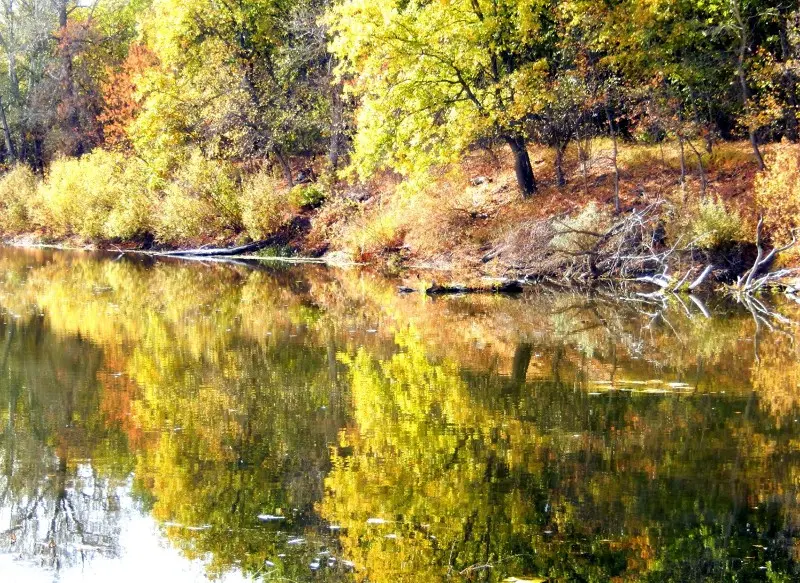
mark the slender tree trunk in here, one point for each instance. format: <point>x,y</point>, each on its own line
<point>614,152</point>
<point>68,81</point>
<point>38,154</point>
<point>789,80</point>
<point>337,133</point>
<point>337,123</point>
<point>700,167</point>
<point>742,76</point>
<point>560,179</point>
<point>683,163</point>
<point>11,45</point>
<point>585,171</point>
<point>13,77</point>
<point>285,167</point>
<point>701,126</point>
<point>12,152</point>
<point>713,128</point>
<point>522,165</point>
<point>757,150</point>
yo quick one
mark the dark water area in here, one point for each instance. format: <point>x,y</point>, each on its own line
<point>179,421</point>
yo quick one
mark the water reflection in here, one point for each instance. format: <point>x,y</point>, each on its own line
<point>307,424</point>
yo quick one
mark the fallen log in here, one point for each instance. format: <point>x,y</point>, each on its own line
<point>502,286</point>
<point>218,252</point>
<point>701,278</point>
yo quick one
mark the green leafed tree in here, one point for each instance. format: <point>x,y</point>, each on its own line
<point>435,77</point>
<point>241,79</point>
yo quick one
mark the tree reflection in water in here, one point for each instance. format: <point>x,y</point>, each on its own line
<point>311,424</point>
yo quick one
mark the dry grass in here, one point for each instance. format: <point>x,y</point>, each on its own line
<point>474,208</point>
<point>464,213</point>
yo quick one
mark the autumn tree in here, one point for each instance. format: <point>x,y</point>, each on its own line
<point>240,79</point>
<point>434,78</point>
<point>25,40</point>
<point>121,97</point>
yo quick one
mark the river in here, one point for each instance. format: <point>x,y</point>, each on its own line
<point>181,421</point>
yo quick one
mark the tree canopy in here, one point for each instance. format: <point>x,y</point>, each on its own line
<point>408,85</point>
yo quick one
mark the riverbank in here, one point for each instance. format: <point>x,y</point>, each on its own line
<point>468,224</point>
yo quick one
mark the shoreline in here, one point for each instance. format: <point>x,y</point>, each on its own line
<point>461,232</point>
<point>645,288</point>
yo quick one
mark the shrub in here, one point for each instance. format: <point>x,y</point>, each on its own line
<point>577,234</point>
<point>373,234</point>
<point>72,195</point>
<point>201,199</point>
<point>17,195</point>
<point>712,225</point>
<point>102,195</point>
<point>777,192</point>
<point>132,213</point>
<point>265,206</point>
<point>307,196</point>
<point>331,220</point>
<point>642,156</point>
<point>731,157</point>
<point>182,217</point>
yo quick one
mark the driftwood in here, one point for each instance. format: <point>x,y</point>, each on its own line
<point>701,278</point>
<point>631,249</point>
<point>753,281</point>
<point>218,252</point>
<point>498,286</point>
<point>669,284</point>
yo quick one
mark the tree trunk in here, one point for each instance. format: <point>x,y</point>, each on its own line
<point>285,167</point>
<point>13,77</point>
<point>709,142</point>
<point>38,154</point>
<point>757,150</point>
<point>68,82</point>
<point>743,42</point>
<point>522,165</point>
<point>683,164</point>
<point>614,151</point>
<point>789,81</point>
<point>700,168</point>
<point>585,174</point>
<point>560,180</point>
<point>337,124</point>
<point>12,152</point>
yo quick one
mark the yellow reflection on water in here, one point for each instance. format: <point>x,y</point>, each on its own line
<point>384,437</point>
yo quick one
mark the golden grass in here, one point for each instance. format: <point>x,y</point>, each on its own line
<point>450,221</point>
<point>471,207</point>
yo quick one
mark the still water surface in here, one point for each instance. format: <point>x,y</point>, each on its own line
<point>168,421</point>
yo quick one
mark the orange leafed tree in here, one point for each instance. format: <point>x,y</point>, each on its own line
<point>121,98</point>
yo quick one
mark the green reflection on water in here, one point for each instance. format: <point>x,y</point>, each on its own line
<point>394,438</point>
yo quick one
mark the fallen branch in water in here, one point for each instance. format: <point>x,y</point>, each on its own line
<point>701,278</point>
<point>667,283</point>
<point>218,252</point>
<point>749,283</point>
<point>505,286</point>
